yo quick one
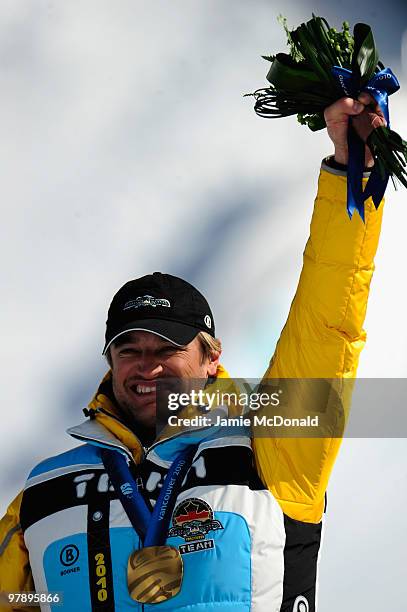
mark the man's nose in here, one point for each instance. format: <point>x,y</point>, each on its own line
<point>148,365</point>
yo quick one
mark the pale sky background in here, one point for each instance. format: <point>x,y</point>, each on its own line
<point>127,147</point>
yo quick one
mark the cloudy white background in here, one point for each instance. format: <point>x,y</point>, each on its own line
<point>127,147</point>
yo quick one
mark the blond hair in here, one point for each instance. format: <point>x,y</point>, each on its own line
<point>209,345</point>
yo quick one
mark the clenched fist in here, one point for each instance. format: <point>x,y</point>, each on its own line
<point>366,116</point>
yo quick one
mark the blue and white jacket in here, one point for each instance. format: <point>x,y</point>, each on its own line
<point>255,558</point>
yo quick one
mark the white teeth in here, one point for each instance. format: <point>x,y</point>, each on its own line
<point>144,389</point>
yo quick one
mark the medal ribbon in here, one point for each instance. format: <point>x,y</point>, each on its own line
<point>380,87</point>
<point>152,527</point>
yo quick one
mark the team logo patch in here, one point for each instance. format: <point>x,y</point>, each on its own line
<point>146,300</point>
<point>193,520</point>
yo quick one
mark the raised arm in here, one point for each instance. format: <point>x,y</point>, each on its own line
<point>324,334</point>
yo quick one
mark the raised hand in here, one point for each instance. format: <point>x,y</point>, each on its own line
<point>366,116</point>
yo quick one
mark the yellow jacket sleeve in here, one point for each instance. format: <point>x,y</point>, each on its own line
<point>322,338</point>
<point>15,572</point>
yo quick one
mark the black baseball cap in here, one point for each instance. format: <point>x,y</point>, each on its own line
<point>162,304</point>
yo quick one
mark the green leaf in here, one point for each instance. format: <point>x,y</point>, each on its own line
<point>295,53</point>
<point>305,42</point>
<point>314,121</point>
<point>286,74</point>
<point>365,56</point>
<point>390,153</point>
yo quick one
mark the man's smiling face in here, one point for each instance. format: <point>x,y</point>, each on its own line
<point>139,359</point>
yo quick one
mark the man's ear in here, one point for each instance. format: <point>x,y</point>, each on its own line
<point>213,363</point>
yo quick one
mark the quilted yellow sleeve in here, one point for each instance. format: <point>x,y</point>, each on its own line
<point>15,572</point>
<point>322,338</point>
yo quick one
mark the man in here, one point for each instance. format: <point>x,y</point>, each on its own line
<point>199,520</point>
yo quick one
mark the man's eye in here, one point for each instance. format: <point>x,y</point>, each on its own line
<point>128,352</point>
<point>168,350</point>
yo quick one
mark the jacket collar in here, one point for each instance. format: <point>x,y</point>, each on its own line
<point>105,428</point>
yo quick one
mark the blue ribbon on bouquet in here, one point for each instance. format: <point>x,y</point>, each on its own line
<point>380,87</point>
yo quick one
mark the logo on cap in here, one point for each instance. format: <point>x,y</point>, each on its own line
<point>208,321</point>
<point>301,604</point>
<point>146,300</point>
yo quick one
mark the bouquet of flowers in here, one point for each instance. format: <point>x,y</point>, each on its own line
<point>322,66</point>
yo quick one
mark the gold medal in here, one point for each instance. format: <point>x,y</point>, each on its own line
<point>154,574</point>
